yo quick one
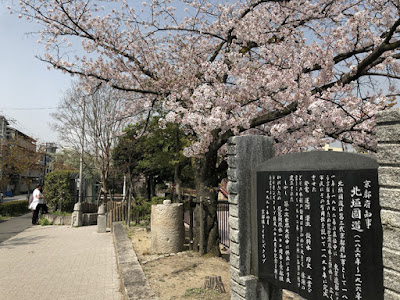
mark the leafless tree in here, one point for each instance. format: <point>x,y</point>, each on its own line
<point>103,122</point>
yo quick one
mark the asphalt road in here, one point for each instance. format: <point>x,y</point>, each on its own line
<point>14,198</point>
<point>13,226</point>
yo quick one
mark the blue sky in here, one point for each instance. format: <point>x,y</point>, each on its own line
<point>28,91</point>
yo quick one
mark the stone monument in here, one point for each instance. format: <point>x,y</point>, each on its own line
<point>167,231</point>
<point>319,230</point>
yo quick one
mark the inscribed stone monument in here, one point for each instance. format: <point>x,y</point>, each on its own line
<point>318,225</point>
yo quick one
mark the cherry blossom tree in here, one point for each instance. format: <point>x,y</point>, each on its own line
<point>303,72</point>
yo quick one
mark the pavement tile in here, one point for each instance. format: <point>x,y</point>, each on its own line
<point>65,262</point>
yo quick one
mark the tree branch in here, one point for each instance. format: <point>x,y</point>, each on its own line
<point>260,120</point>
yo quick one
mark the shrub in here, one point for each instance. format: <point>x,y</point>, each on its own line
<point>43,221</point>
<point>142,210</point>
<point>14,208</point>
<point>59,190</point>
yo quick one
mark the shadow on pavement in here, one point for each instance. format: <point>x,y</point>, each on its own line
<point>13,226</point>
<point>15,242</point>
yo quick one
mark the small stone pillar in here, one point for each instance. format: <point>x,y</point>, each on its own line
<point>167,231</point>
<point>77,215</point>
<point>101,219</point>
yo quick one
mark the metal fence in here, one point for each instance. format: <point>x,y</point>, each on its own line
<point>190,206</point>
<point>223,222</point>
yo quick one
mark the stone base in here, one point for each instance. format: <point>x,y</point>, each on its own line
<point>76,219</point>
<point>89,219</point>
<point>58,220</point>
<point>101,224</point>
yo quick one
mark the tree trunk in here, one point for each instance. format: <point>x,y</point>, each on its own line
<point>178,182</point>
<point>214,283</point>
<point>148,186</point>
<point>178,166</point>
<point>205,169</point>
<point>104,187</point>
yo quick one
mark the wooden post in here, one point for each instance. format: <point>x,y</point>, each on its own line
<point>202,252</point>
<point>107,215</point>
<point>124,208</point>
<point>118,212</point>
<point>129,208</point>
<point>190,222</point>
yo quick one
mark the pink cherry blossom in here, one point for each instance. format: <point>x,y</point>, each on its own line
<point>303,72</point>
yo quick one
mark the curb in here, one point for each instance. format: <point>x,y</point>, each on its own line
<point>134,284</point>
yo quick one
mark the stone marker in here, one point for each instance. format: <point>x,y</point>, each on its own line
<point>318,225</point>
<point>167,231</point>
<point>77,215</point>
<point>101,219</point>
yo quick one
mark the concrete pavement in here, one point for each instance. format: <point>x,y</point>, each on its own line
<point>59,262</point>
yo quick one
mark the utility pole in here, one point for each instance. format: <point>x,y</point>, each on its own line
<point>82,146</point>
<point>45,163</point>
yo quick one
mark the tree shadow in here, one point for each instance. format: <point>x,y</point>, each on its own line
<point>19,241</point>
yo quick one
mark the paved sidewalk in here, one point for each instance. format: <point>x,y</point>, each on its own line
<point>13,226</point>
<point>59,262</point>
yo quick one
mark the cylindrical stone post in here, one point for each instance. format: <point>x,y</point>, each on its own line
<point>101,219</point>
<point>388,136</point>
<point>167,231</point>
<point>77,215</point>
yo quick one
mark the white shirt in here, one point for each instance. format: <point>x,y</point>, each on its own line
<point>37,198</point>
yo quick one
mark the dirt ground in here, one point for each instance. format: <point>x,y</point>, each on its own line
<point>182,276</point>
<point>179,276</point>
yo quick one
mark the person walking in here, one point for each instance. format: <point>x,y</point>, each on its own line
<point>37,203</point>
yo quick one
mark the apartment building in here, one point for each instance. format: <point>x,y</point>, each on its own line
<point>15,144</point>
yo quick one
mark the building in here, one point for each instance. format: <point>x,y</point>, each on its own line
<point>15,144</point>
<point>49,151</point>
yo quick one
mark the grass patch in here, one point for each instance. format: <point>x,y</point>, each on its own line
<point>143,223</point>
<point>43,221</point>
<point>61,213</point>
<point>194,292</point>
<point>200,293</point>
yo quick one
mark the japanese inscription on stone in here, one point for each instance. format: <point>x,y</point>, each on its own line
<point>319,233</point>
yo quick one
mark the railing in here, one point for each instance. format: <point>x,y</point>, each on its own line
<point>88,207</point>
<point>223,222</point>
<point>116,212</point>
<point>222,215</point>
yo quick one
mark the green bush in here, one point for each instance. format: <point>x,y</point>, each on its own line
<point>43,221</point>
<point>14,208</point>
<point>59,190</point>
<point>142,210</point>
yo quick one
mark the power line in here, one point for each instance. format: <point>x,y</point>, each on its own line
<point>28,108</point>
<point>17,125</point>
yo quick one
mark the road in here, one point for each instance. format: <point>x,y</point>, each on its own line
<point>19,197</point>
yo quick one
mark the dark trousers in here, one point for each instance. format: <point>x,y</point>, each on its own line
<point>36,212</point>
